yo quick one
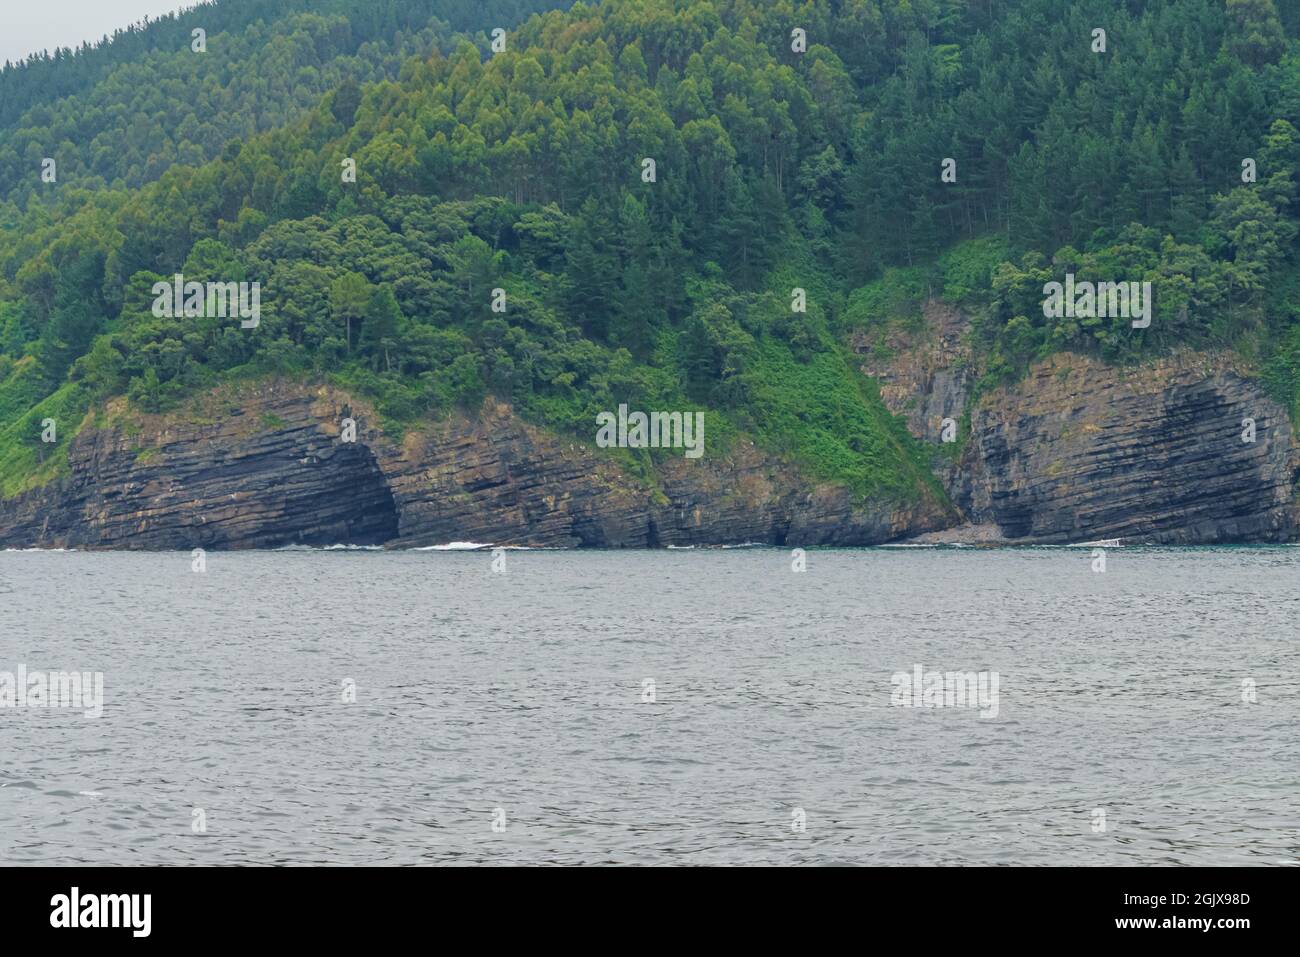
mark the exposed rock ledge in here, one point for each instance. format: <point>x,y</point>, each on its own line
<point>266,468</point>
<point>1076,452</point>
<point>1079,451</point>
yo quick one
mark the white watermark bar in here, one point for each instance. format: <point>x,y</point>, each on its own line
<point>39,690</point>
<point>657,430</point>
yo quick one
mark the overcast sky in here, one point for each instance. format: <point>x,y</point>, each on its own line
<point>27,26</point>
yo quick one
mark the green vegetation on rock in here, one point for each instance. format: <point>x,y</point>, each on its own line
<point>524,171</point>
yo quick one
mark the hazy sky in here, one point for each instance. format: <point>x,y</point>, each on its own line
<point>30,25</point>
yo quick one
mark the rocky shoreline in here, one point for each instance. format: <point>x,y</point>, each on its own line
<point>1076,452</point>
<point>268,468</point>
<point>1187,449</point>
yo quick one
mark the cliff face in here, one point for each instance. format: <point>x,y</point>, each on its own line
<point>268,468</point>
<point>497,479</point>
<point>1161,453</point>
<point>257,473</point>
<point>1075,452</point>
<point>925,373</point>
<point>1079,451</point>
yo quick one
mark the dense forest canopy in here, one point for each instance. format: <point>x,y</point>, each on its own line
<point>777,164</point>
<point>49,76</point>
<point>155,104</point>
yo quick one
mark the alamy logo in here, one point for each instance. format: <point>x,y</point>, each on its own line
<point>1102,300</point>
<point>658,430</point>
<point>53,689</point>
<point>947,689</point>
<point>213,300</point>
<point>103,910</point>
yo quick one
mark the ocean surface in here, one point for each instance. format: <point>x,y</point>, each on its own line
<point>679,707</point>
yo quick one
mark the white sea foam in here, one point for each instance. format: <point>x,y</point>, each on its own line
<point>454,547</point>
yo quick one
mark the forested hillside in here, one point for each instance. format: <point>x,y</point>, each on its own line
<point>777,166</point>
<point>133,107</point>
<point>48,76</point>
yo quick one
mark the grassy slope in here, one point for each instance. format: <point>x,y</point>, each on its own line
<point>25,461</point>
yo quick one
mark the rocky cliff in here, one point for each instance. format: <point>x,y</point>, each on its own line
<point>266,466</point>
<point>1187,449</point>
<point>1184,450</point>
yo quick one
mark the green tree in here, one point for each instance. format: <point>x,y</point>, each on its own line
<point>380,329</point>
<point>349,301</point>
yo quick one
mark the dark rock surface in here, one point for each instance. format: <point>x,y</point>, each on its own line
<point>268,468</point>
<point>237,482</point>
<point>1079,451</point>
<point>1075,452</point>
